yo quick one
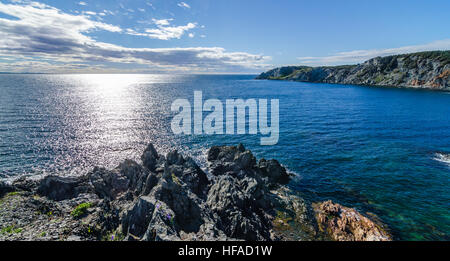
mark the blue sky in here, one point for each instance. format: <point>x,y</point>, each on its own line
<point>209,36</point>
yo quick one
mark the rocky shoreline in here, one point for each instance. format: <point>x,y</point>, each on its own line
<point>170,198</point>
<point>429,70</point>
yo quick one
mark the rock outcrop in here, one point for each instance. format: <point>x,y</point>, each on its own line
<point>346,224</point>
<point>417,70</point>
<point>165,198</point>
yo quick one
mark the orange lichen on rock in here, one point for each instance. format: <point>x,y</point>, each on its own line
<point>347,224</point>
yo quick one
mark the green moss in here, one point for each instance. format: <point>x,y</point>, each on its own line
<point>7,230</point>
<point>12,194</point>
<point>18,230</point>
<point>80,210</point>
<point>281,221</point>
<point>11,230</point>
<point>175,179</point>
<point>43,234</point>
<point>379,79</point>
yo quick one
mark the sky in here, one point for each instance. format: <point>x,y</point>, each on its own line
<point>212,36</point>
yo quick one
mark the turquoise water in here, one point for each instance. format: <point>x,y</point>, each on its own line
<point>381,150</point>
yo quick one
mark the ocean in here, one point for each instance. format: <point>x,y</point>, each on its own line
<point>384,151</point>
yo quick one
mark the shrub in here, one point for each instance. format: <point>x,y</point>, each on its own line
<point>80,210</point>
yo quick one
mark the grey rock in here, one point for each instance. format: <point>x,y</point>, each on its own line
<point>5,188</point>
<point>162,225</point>
<point>136,175</point>
<point>182,202</point>
<point>108,183</point>
<point>170,198</point>
<point>274,171</point>
<point>60,188</point>
<point>25,184</point>
<point>138,217</point>
<point>150,157</point>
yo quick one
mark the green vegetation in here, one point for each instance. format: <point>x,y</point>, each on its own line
<point>11,230</point>
<point>379,79</point>
<point>442,56</point>
<point>281,221</point>
<point>80,210</point>
<point>12,194</point>
<point>43,234</point>
<point>175,179</point>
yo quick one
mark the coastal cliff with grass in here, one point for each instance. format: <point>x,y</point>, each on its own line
<point>170,198</point>
<point>429,70</point>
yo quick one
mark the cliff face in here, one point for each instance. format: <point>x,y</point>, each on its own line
<point>417,70</point>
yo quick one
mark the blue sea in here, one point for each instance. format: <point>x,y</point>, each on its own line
<point>384,151</point>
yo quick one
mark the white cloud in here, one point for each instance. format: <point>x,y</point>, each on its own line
<point>163,22</point>
<point>184,5</point>
<point>169,32</point>
<point>82,3</point>
<point>359,56</point>
<point>90,13</point>
<point>41,38</point>
<point>191,35</point>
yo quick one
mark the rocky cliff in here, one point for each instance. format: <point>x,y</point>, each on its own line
<point>418,70</point>
<point>171,198</point>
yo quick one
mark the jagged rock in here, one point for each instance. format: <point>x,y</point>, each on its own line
<point>5,188</point>
<point>187,172</point>
<point>137,219</point>
<point>108,183</point>
<point>172,198</point>
<point>150,157</point>
<point>150,183</point>
<point>346,224</point>
<point>60,188</point>
<point>231,160</point>
<point>136,175</point>
<point>162,225</point>
<point>274,171</point>
<point>182,202</point>
<point>238,204</point>
<point>25,184</point>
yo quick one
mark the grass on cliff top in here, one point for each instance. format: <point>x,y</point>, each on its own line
<point>442,56</point>
<point>80,210</point>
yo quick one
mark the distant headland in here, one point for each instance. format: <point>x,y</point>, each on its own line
<point>429,70</point>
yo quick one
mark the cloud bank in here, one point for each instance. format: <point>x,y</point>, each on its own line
<point>42,38</point>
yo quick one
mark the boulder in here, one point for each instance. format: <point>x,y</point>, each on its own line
<point>347,224</point>
<point>61,188</point>
<point>5,188</point>
<point>273,170</point>
<point>108,183</point>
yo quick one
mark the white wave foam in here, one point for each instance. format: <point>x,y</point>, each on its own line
<point>441,157</point>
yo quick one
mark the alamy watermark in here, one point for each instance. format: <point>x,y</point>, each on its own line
<point>235,123</point>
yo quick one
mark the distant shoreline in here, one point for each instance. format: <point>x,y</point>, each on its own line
<point>424,70</point>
